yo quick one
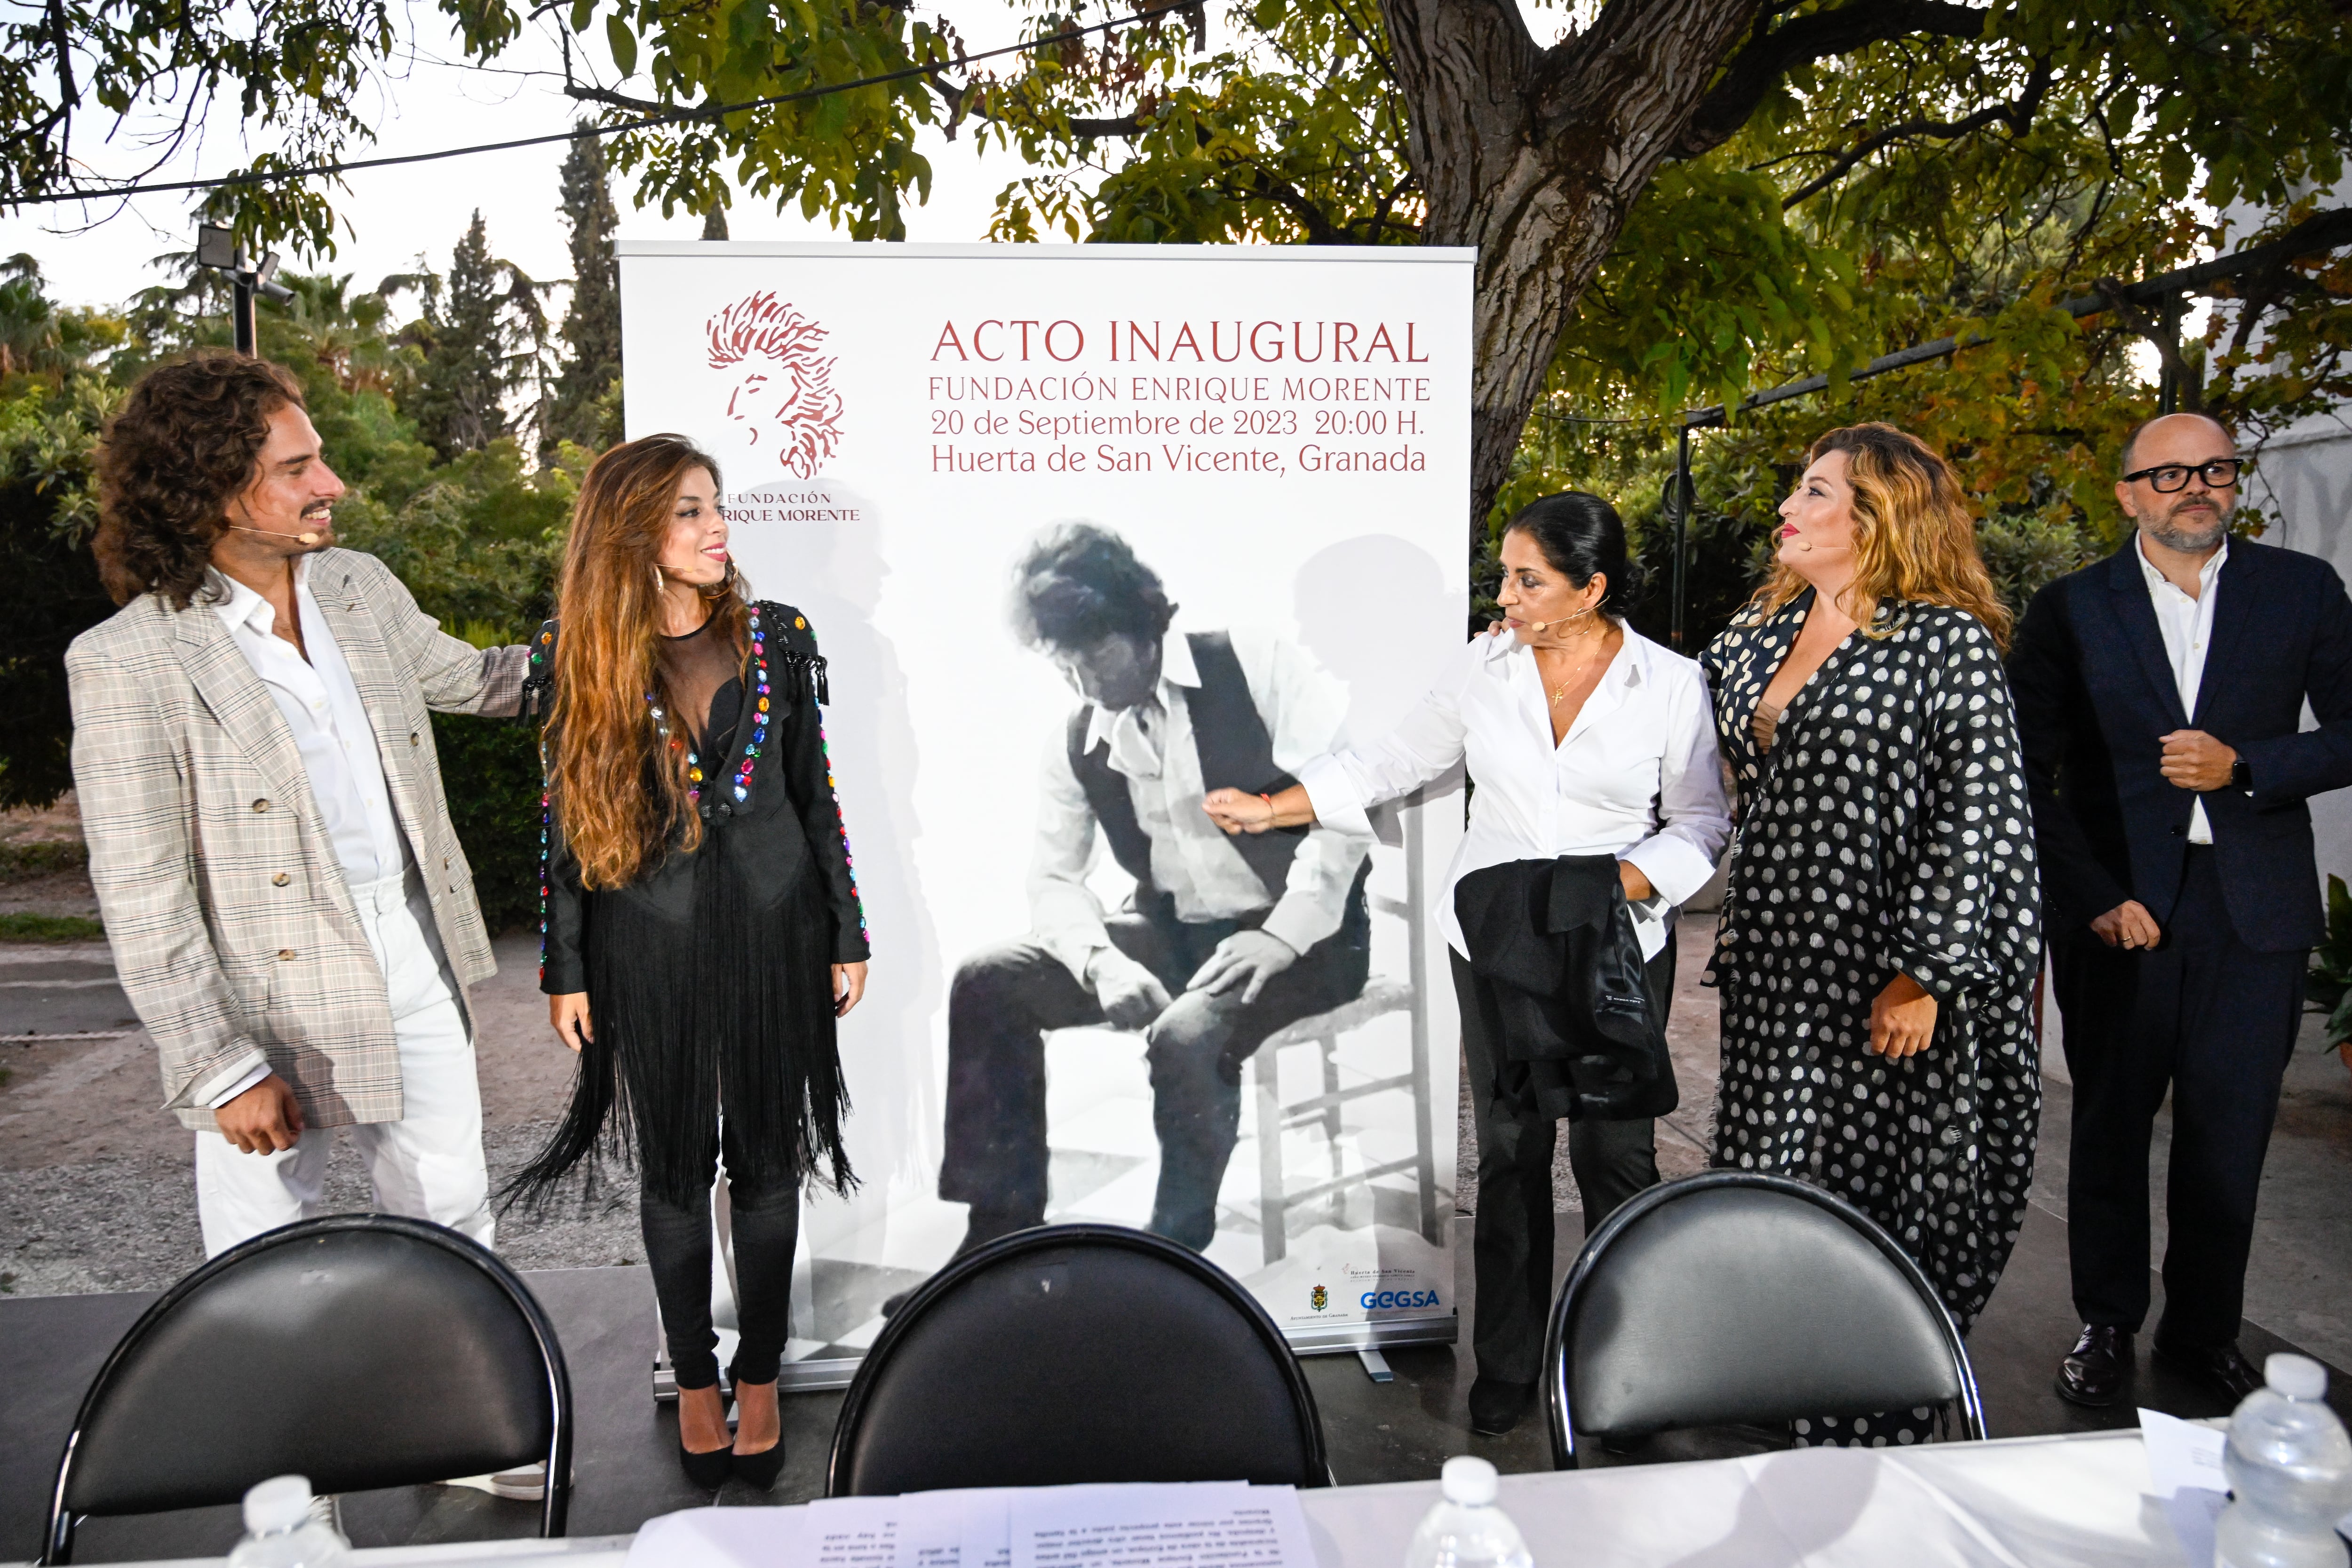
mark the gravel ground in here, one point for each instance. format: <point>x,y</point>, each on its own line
<point>129,1224</point>
<point>96,1187</point>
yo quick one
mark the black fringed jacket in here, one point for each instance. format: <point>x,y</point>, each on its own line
<point>784,828</point>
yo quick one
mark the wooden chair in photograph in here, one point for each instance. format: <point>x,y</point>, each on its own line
<point>1382,996</point>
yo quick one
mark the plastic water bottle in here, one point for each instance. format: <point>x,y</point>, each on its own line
<point>2290,1469</point>
<point>1466,1530</point>
<point>283,1529</point>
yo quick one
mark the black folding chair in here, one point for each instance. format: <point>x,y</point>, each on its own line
<point>362,1351</point>
<point>1076,1352</point>
<point>1733,1298</point>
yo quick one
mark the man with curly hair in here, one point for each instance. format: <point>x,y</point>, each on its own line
<point>291,913</point>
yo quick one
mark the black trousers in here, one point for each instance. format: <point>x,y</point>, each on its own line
<point>764,1229</point>
<point>1004,1000</point>
<point>2215,1022</point>
<point>1511,1236</point>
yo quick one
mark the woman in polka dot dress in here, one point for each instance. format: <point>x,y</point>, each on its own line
<point>1882,931</point>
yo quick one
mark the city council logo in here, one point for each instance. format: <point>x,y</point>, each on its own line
<point>784,395</point>
<point>1319,1298</point>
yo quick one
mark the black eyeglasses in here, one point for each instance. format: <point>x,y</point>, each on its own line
<point>2220,474</point>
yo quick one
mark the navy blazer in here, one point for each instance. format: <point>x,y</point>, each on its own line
<point>2095,694</point>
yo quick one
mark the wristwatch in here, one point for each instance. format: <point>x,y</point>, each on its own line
<point>2242,775</point>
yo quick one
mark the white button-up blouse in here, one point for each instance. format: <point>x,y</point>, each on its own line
<point>1636,775</point>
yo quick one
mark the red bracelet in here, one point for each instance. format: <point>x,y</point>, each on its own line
<point>1270,812</point>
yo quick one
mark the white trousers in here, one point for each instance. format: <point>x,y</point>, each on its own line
<point>426,1165</point>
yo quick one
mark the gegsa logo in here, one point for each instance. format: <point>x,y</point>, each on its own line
<point>1378,1300</point>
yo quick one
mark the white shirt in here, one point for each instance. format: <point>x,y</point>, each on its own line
<point>322,711</point>
<point>1192,861</point>
<point>1637,774</point>
<point>2187,628</point>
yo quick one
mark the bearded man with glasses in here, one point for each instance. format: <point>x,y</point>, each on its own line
<point>2159,697</point>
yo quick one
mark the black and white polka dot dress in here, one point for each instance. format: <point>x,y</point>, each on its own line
<point>1885,829</point>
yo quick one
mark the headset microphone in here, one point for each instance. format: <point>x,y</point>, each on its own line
<point>310,537</point>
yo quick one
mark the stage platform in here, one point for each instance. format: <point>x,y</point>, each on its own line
<point>51,1346</point>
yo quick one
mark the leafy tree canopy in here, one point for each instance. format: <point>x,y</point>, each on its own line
<point>475,538</point>
<point>1675,202</point>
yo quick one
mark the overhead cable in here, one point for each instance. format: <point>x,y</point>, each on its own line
<point>645,122</point>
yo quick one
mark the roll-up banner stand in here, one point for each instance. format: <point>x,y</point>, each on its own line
<point>1274,440</point>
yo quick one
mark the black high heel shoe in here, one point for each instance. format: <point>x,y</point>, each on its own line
<point>707,1470</point>
<point>760,1471</point>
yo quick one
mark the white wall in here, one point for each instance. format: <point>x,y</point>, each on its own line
<point>2303,478</point>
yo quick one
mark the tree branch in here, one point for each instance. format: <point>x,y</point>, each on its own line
<point>1756,69</point>
<point>1131,124</point>
<point>2017,116</point>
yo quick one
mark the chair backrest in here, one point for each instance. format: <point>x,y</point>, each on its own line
<point>1738,1297</point>
<point>362,1351</point>
<point>1076,1352</point>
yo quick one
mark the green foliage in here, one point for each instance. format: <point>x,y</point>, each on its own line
<point>849,156</point>
<point>297,71</point>
<point>41,857</point>
<point>1294,135</point>
<point>490,769</point>
<point>2327,985</point>
<point>50,589</point>
<point>476,347</point>
<point>476,539</point>
<point>592,323</point>
<point>18,926</point>
<point>1906,190</point>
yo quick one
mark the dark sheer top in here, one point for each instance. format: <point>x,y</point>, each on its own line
<point>702,674</point>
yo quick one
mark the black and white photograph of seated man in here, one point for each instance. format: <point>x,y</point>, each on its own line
<point>1222,942</point>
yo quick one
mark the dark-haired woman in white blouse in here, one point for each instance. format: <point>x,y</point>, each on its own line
<point>1582,737</point>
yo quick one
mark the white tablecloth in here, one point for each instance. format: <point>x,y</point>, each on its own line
<point>2027,1503</point>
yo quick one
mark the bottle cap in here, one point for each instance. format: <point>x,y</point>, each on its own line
<point>2296,1376</point>
<point>281,1502</point>
<point>1468,1480</point>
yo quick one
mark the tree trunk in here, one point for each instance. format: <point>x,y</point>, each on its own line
<point>1536,156</point>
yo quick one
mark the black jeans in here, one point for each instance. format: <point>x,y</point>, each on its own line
<point>1004,1000</point>
<point>1511,1236</point>
<point>765,1228</point>
<point>2214,1021</point>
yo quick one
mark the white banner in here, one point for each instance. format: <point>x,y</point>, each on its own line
<point>1280,437</point>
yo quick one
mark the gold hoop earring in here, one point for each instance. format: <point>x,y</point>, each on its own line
<point>659,580</point>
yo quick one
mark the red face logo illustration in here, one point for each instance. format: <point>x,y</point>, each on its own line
<point>783,395</point>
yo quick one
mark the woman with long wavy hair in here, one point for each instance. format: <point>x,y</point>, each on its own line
<point>702,930</point>
<point>1881,929</point>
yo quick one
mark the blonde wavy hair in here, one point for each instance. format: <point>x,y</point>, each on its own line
<point>621,798</point>
<point>1914,538</point>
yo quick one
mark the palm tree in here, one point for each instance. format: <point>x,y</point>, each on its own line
<point>345,332</point>
<point>28,323</point>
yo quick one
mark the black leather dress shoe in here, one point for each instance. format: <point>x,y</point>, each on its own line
<point>2092,1373</point>
<point>760,1471</point>
<point>1497,1406</point>
<point>2219,1369</point>
<point>708,1469</point>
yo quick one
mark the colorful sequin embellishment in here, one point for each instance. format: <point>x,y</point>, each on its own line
<point>848,860</point>
<point>743,786</point>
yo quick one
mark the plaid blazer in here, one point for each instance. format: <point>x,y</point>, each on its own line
<point>233,932</point>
